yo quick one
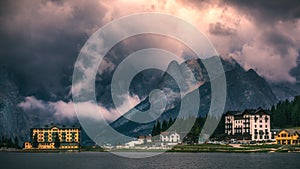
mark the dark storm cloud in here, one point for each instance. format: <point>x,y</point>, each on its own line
<point>281,42</point>
<point>273,10</point>
<point>40,40</point>
<point>221,29</point>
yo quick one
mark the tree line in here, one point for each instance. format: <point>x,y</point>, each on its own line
<point>9,143</point>
<point>191,132</point>
<point>286,114</point>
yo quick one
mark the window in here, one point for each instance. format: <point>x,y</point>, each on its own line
<point>255,118</point>
<point>260,126</point>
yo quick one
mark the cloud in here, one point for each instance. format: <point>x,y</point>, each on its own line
<point>61,110</point>
<point>221,29</point>
<point>266,10</point>
<point>268,63</point>
<point>32,103</point>
<point>239,29</point>
<point>40,40</point>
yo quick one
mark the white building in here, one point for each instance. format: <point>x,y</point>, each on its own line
<point>144,139</point>
<point>132,144</point>
<point>253,125</point>
<point>171,137</point>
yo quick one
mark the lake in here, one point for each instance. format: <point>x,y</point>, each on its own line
<point>99,160</point>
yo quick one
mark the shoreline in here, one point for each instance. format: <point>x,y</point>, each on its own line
<point>203,148</point>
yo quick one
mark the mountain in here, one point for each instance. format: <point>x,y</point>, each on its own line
<point>12,120</point>
<point>245,89</point>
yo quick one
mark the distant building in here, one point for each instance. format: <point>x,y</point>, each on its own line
<point>46,138</point>
<point>248,125</point>
<point>170,137</point>
<point>274,133</point>
<point>132,144</point>
<point>144,139</point>
<point>288,136</point>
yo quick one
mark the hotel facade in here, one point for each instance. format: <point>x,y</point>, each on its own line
<point>248,125</point>
<point>54,136</point>
<point>288,137</point>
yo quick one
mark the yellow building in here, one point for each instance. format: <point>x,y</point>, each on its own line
<point>288,136</point>
<point>28,145</point>
<point>46,138</point>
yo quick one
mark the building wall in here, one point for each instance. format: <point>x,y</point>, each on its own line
<point>69,138</point>
<point>260,127</point>
<point>28,145</point>
<point>229,125</point>
<point>286,138</point>
<point>65,134</point>
<point>171,137</point>
<point>257,125</point>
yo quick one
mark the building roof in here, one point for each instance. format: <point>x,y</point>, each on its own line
<point>276,130</point>
<point>247,111</point>
<point>165,133</point>
<point>292,131</point>
<point>60,126</point>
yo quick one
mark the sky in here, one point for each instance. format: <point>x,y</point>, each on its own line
<point>40,39</point>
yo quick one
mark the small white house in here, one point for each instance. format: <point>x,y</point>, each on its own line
<point>171,137</point>
<point>148,139</point>
<point>132,144</point>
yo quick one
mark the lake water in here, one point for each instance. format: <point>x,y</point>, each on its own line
<point>96,160</point>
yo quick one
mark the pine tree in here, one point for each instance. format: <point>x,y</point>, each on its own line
<point>153,133</point>
<point>16,142</point>
<point>170,122</point>
<point>158,128</point>
<point>164,126</point>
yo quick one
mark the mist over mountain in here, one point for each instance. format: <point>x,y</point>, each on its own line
<point>285,90</point>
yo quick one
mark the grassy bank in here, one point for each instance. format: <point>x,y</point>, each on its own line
<point>239,149</point>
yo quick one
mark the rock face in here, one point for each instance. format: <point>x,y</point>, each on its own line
<point>12,119</point>
<point>245,89</point>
